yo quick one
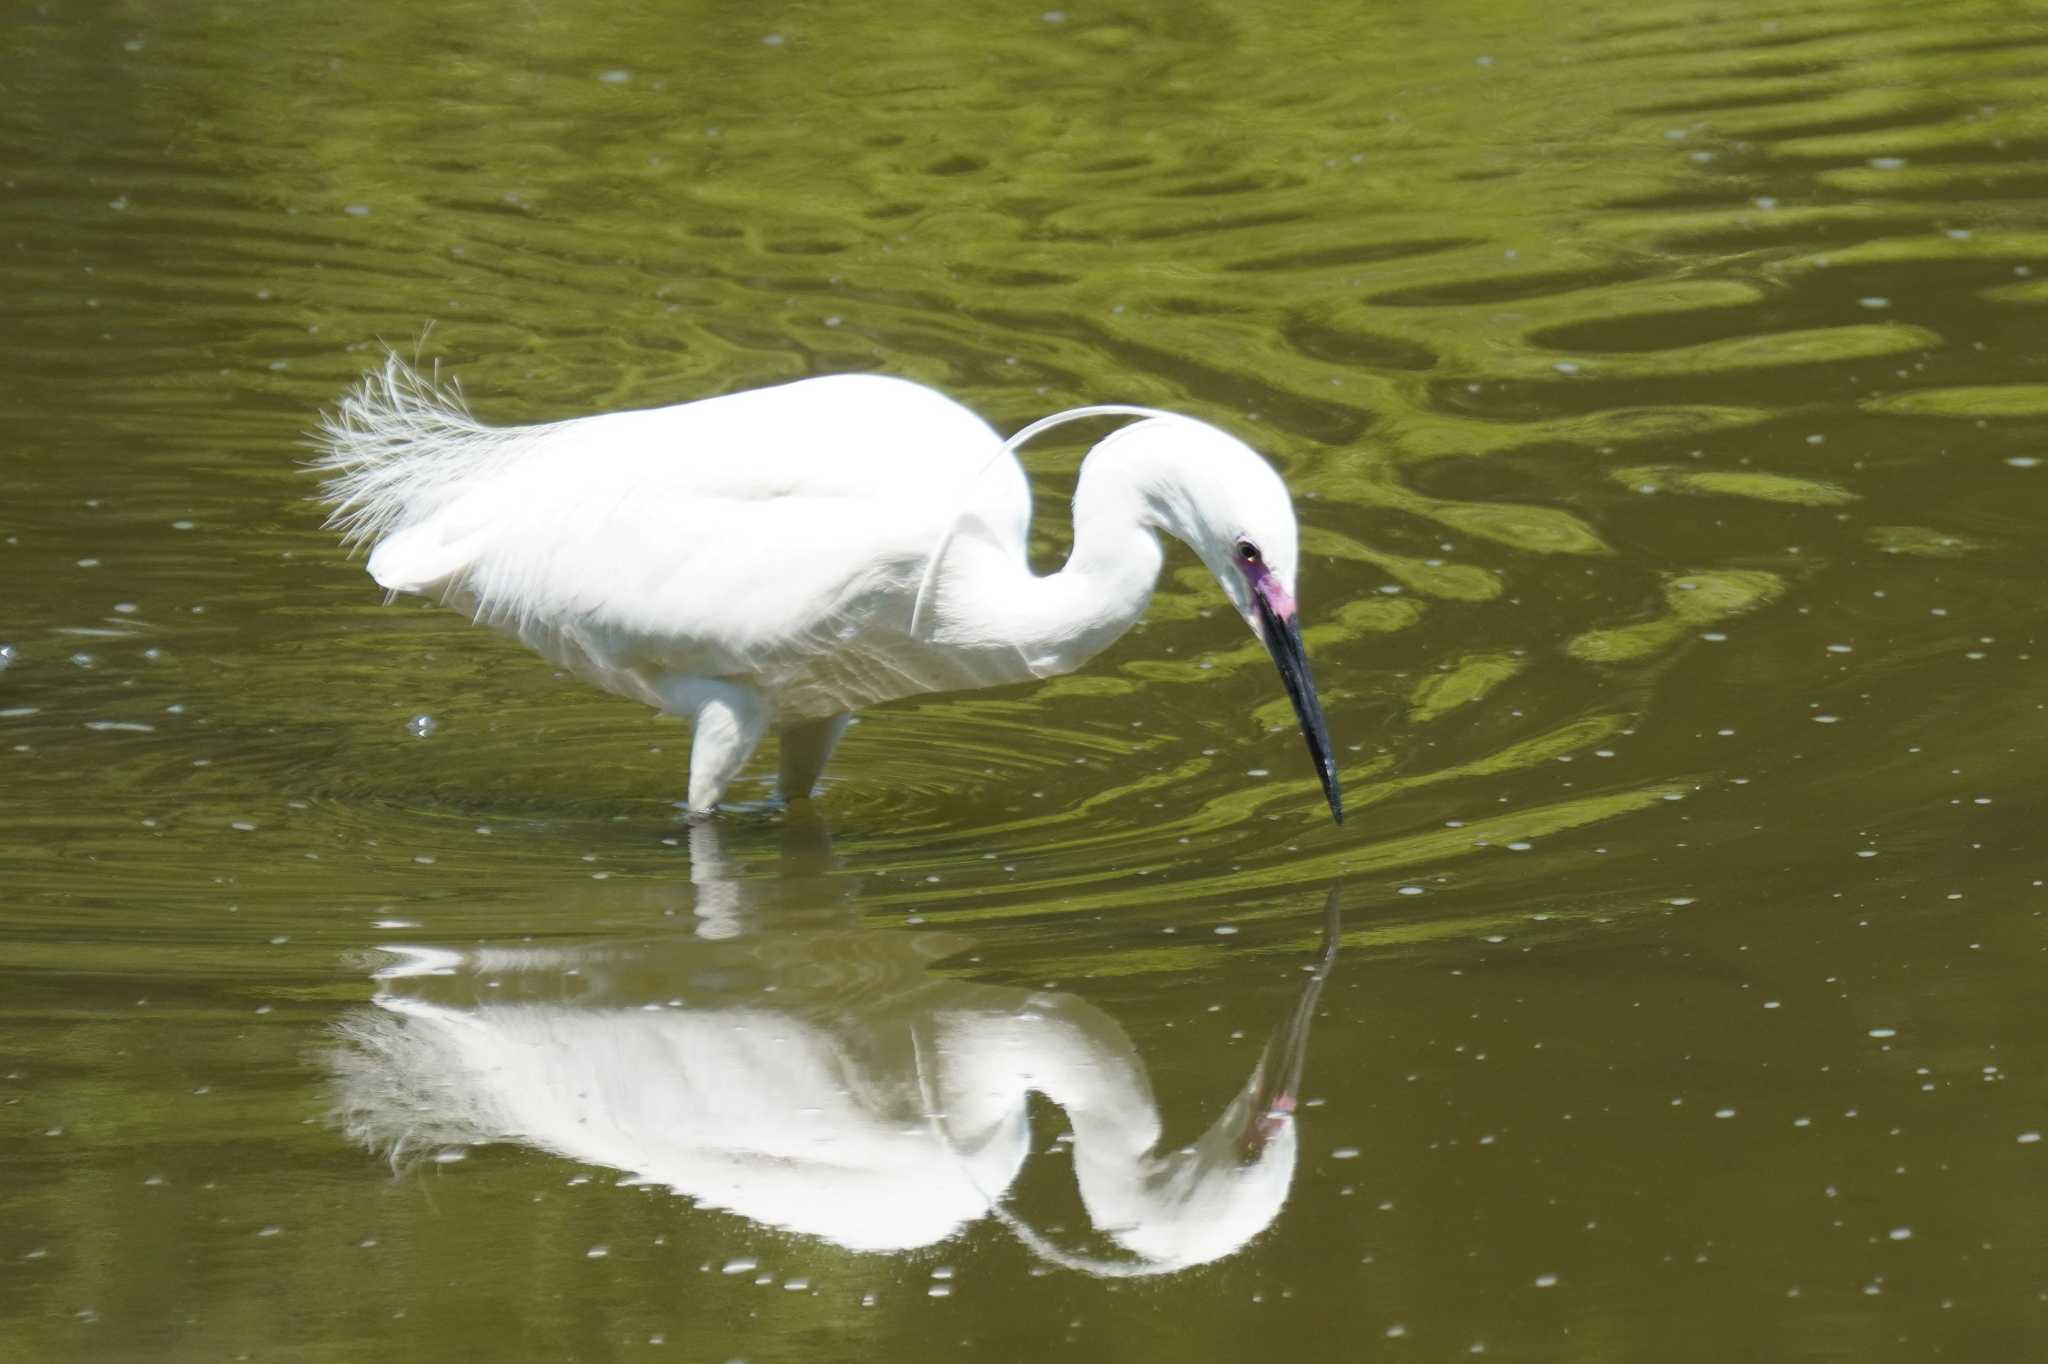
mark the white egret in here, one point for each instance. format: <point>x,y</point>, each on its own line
<point>774,560</point>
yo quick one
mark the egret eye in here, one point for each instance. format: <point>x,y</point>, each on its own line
<point>1247,551</point>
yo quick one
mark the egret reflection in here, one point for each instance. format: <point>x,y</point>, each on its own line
<point>815,1077</point>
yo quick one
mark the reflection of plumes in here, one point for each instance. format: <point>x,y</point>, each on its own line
<point>863,1100</point>
<point>746,1110</point>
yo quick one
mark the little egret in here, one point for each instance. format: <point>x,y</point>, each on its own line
<point>779,558</point>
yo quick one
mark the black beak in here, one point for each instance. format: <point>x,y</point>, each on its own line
<point>1283,641</point>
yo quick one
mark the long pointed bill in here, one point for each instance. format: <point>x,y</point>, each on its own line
<point>1282,633</point>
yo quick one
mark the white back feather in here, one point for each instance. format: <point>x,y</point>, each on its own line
<point>401,445</point>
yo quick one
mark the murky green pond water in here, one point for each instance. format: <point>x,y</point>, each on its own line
<point>1664,390</point>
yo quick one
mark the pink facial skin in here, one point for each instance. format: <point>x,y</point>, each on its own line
<point>1261,580</point>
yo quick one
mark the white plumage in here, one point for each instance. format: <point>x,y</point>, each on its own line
<point>774,560</point>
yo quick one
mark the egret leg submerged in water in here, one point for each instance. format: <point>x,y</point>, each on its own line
<point>777,559</point>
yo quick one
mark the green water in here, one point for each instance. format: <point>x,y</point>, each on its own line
<point>1662,388</point>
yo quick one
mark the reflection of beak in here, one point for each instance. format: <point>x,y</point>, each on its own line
<point>1282,633</point>
<point>1276,1084</point>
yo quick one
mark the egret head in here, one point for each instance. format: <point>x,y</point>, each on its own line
<point>1217,495</point>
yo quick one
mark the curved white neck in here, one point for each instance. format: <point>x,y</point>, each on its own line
<point>1060,621</point>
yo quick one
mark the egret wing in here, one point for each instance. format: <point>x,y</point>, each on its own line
<point>713,537</point>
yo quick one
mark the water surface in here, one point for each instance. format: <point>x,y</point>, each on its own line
<point>1661,389</point>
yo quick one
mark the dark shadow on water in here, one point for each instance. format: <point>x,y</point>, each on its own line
<point>778,1059</point>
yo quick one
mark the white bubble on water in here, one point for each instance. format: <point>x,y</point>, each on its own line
<point>421,726</point>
